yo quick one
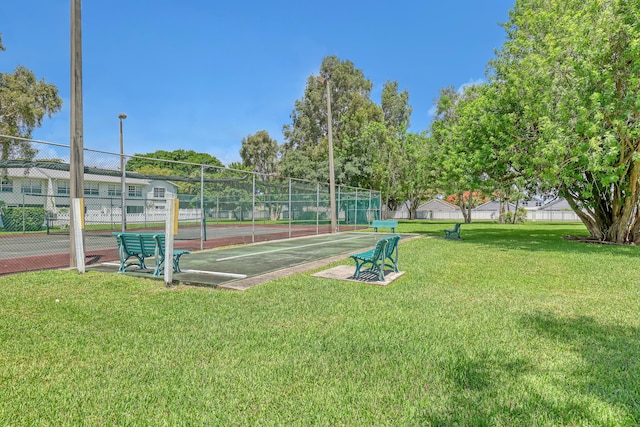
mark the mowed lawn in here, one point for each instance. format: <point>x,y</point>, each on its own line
<point>513,325</point>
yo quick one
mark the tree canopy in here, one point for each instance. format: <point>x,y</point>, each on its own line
<point>184,163</point>
<point>24,102</point>
<point>307,135</point>
<point>260,153</point>
<point>568,79</point>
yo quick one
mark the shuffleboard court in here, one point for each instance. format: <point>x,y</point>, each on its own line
<point>233,267</point>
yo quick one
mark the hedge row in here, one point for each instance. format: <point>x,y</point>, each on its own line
<point>22,219</point>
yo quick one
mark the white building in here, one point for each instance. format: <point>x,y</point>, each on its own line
<point>50,188</point>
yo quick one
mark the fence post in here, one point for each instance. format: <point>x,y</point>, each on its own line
<point>253,209</point>
<point>337,212</point>
<point>317,208</point>
<point>355,212</point>
<point>203,227</point>
<point>290,212</point>
<point>168,241</point>
<point>24,227</point>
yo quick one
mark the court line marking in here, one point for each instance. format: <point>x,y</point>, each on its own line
<point>213,273</point>
<point>289,248</point>
<point>217,273</point>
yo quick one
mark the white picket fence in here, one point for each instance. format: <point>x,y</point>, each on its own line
<point>115,217</point>
<point>539,216</point>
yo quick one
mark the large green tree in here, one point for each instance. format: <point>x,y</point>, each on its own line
<point>568,78</point>
<point>396,109</point>
<point>461,171</point>
<point>24,102</point>
<point>307,135</point>
<point>393,154</point>
<point>417,171</point>
<point>260,152</point>
<point>186,164</point>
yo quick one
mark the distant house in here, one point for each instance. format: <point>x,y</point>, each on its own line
<point>558,204</point>
<point>556,210</point>
<point>491,210</point>
<point>402,212</point>
<point>531,205</point>
<point>438,209</point>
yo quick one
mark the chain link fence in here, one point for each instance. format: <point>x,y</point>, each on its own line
<point>217,206</point>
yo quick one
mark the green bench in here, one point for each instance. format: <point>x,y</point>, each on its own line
<point>385,254</point>
<point>139,246</point>
<point>453,233</point>
<point>384,223</point>
<point>160,255</point>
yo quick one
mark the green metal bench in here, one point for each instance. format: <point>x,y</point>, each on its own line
<point>384,254</point>
<point>160,255</point>
<point>453,233</point>
<point>139,246</point>
<point>391,253</point>
<point>134,245</point>
<point>384,223</point>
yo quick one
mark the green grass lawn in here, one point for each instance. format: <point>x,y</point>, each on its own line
<point>513,325</point>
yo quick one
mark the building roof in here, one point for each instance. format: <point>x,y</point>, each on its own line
<point>437,205</point>
<point>40,173</point>
<point>492,206</point>
<point>559,204</point>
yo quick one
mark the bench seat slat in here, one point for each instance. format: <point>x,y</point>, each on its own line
<point>391,224</point>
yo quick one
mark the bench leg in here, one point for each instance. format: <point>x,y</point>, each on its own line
<point>123,262</point>
<point>359,265</point>
<point>377,268</point>
<point>176,261</point>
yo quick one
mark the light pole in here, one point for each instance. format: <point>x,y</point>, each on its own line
<point>332,178</point>
<point>122,116</point>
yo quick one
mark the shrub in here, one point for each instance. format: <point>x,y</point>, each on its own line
<point>306,215</point>
<point>22,219</point>
<point>514,217</point>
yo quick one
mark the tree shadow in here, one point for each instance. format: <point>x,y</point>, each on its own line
<point>610,355</point>
<point>500,388</point>
<point>548,238</point>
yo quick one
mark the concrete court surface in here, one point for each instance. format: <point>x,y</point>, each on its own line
<point>244,266</point>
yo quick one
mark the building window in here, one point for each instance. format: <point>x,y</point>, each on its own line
<point>114,190</point>
<point>158,192</point>
<point>6,185</point>
<point>63,188</point>
<point>91,189</point>
<point>31,186</point>
<point>135,209</point>
<point>135,191</point>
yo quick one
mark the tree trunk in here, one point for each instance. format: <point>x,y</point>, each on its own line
<point>614,217</point>
<point>465,207</point>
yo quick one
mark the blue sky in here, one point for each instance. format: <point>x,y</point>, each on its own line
<point>202,74</point>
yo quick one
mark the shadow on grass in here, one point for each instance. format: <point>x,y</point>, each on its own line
<point>548,237</point>
<point>474,381</point>
<point>504,389</point>
<point>610,357</point>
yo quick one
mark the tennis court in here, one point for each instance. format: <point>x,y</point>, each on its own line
<point>241,267</point>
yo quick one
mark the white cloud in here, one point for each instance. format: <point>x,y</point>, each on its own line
<point>471,82</point>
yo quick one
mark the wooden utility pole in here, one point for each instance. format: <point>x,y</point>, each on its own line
<point>77,144</point>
